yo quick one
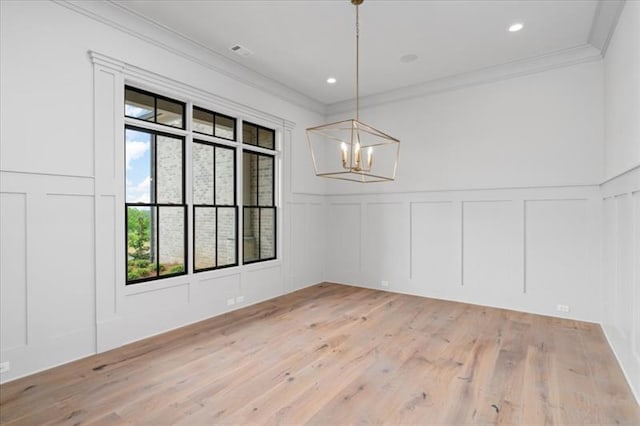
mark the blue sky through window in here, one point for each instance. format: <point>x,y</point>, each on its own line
<point>138,166</point>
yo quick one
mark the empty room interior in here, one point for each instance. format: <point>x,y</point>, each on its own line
<point>320,212</point>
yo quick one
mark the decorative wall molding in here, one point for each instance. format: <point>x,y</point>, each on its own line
<point>525,249</point>
<point>47,222</point>
<point>604,23</point>
<point>430,193</point>
<point>123,19</point>
<point>563,58</point>
<point>621,174</point>
<point>133,23</point>
<point>621,271</point>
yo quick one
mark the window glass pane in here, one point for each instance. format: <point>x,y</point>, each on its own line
<point>267,233</point>
<point>225,176</point>
<point>226,236</point>
<point>266,138</point>
<point>265,180</point>
<point>250,234</point>
<point>171,235</point>
<point>249,134</point>
<point>202,121</point>
<point>202,173</point>
<point>138,105</point>
<point>138,166</point>
<point>225,127</point>
<point>169,170</point>
<point>170,113</point>
<point>141,256</point>
<point>250,178</point>
<point>205,237</point>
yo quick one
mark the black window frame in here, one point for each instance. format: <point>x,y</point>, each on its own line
<point>217,206</point>
<point>260,207</point>
<point>155,97</point>
<point>215,116</point>
<point>258,128</point>
<point>156,205</point>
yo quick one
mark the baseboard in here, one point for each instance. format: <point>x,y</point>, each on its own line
<point>634,391</point>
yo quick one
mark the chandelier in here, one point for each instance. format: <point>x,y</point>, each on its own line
<point>350,149</point>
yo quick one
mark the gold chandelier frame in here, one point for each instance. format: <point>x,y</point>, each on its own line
<point>353,137</point>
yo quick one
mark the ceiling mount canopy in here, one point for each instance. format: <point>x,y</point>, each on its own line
<point>350,149</point>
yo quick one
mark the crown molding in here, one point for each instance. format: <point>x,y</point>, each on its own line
<point>604,23</point>
<point>134,24</point>
<point>140,74</point>
<point>562,58</point>
<point>128,21</point>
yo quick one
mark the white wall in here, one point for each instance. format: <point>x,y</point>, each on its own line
<point>62,288</point>
<point>622,93</point>
<point>496,200</point>
<point>542,129</point>
<point>621,194</point>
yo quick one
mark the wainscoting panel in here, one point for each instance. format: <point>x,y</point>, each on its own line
<point>261,282</point>
<point>316,241</point>
<point>13,270</point>
<point>609,290</point>
<point>385,249</point>
<point>209,296</point>
<point>107,268</point>
<point>152,311</point>
<point>344,255</point>
<point>307,238</point>
<point>47,305</point>
<point>559,253</point>
<point>528,249</point>
<point>491,254</point>
<point>436,245</point>
<point>623,318</point>
<point>64,251</point>
<point>621,271</point>
<point>297,229</point>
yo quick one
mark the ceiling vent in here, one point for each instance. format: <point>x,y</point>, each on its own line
<point>240,50</point>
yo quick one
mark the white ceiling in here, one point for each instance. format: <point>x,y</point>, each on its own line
<point>301,43</point>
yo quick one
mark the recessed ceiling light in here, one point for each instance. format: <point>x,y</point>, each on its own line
<point>331,80</point>
<point>408,58</point>
<point>516,27</point>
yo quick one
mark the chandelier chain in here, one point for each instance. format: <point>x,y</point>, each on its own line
<point>357,62</point>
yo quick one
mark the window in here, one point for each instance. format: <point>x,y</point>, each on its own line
<point>147,106</point>
<point>214,206</point>
<point>158,137</point>
<point>259,211</point>
<point>155,208</point>
<point>213,124</point>
<point>253,134</point>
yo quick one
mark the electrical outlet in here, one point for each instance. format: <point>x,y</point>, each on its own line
<point>231,301</point>
<point>562,308</point>
<point>5,366</point>
<point>384,283</point>
<point>239,299</point>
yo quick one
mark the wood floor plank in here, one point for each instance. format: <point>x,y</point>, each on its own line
<point>334,354</point>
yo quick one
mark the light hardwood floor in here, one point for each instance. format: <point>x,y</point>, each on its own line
<point>332,354</point>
